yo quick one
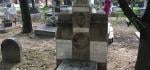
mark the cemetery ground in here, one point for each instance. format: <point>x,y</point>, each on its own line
<point>39,53</point>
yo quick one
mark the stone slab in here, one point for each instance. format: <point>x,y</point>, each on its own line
<point>81,9</point>
<point>45,30</point>
<point>81,3</point>
<point>64,19</point>
<point>77,65</point>
<point>81,30</point>
<point>65,9</point>
<point>64,49</point>
<point>98,32</point>
<point>98,51</point>
<point>99,18</point>
<point>64,31</point>
<point>6,29</point>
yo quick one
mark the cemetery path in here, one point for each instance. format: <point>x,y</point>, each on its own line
<point>40,53</point>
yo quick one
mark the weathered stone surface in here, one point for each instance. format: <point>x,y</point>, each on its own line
<point>98,32</point>
<point>81,19</point>
<point>88,32</point>
<point>81,3</point>
<point>81,9</point>
<point>99,18</point>
<point>77,65</point>
<point>98,51</point>
<point>64,19</point>
<point>64,31</point>
<point>45,30</point>
<point>65,9</point>
<point>81,50</point>
<point>64,49</point>
<point>81,30</point>
<point>11,51</point>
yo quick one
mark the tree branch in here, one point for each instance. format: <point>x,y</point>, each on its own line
<point>136,21</point>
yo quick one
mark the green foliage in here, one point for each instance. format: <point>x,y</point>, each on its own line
<point>96,6</point>
<point>136,10</point>
<point>45,11</point>
<point>121,14</point>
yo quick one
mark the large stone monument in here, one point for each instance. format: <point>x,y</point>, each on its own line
<point>82,36</point>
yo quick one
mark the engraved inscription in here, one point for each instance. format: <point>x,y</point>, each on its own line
<point>80,41</point>
<point>81,20</point>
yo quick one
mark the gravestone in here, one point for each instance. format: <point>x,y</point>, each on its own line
<point>11,51</point>
<point>8,18</point>
<point>49,27</point>
<point>7,23</point>
<point>82,35</point>
<point>67,2</point>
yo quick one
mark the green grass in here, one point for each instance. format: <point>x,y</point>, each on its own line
<point>136,10</point>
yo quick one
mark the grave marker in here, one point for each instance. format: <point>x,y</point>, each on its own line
<point>82,35</point>
<point>11,51</point>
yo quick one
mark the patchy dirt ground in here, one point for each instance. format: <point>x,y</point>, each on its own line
<point>123,52</point>
<point>39,53</point>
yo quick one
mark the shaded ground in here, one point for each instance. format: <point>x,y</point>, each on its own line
<point>39,53</point>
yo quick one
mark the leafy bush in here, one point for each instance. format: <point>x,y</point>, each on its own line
<point>136,10</point>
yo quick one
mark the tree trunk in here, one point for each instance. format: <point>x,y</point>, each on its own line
<point>33,9</point>
<point>143,25</point>
<point>46,3</point>
<point>67,2</point>
<point>143,59</point>
<point>57,2</point>
<point>57,9</point>
<point>33,3</point>
<point>27,25</point>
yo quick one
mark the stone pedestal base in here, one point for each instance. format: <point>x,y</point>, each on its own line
<point>77,65</point>
<point>6,29</point>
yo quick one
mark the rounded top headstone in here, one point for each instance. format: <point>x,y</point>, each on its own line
<point>11,50</point>
<point>11,42</point>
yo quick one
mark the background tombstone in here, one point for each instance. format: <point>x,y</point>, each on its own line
<point>11,51</point>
